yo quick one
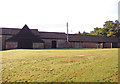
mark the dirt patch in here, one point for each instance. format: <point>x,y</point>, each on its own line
<point>81,55</point>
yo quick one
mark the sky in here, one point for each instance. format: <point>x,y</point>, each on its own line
<point>52,15</point>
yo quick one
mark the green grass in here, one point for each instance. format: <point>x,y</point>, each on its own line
<point>62,65</point>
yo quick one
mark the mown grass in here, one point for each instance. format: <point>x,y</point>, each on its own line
<point>63,65</point>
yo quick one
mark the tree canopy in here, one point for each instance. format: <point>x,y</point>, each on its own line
<point>110,29</point>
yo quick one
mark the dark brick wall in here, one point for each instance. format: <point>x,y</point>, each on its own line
<point>11,45</point>
<point>85,45</point>
<point>0,42</point>
<point>90,45</point>
<point>4,38</point>
<point>118,45</point>
<point>38,45</point>
<point>108,45</point>
<point>71,44</point>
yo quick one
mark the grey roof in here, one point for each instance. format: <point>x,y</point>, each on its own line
<point>13,31</point>
<point>25,34</point>
<point>48,35</point>
<point>60,35</point>
<point>52,35</point>
<point>91,38</point>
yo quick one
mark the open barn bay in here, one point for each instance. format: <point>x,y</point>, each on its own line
<point>60,65</point>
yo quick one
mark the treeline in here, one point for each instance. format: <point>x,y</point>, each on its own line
<point>110,29</point>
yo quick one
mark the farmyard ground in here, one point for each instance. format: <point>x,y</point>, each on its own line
<point>60,65</point>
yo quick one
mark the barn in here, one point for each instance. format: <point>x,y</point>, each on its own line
<point>25,38</point>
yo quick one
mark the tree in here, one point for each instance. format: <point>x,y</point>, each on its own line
<point>117,29</point>
<point>110,29</point>
<point>85,33</point>
<point>79,33</point>
<point>97,31</point>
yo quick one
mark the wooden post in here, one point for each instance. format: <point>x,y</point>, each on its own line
<point>102,45</point>
<point>67,37</point>
<point>111,45</point>
<point>97,45</point>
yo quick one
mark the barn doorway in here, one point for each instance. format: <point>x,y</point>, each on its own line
<point>54,44</point>
<point>114,45</point>
<point>104,45</point>
<point>25,44</point>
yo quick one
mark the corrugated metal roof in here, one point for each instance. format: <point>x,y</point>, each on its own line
<point>13,31</point>
<point>91,38</point>
<point>60,35</point>
<point>24,34</point>
<point>52,35</point>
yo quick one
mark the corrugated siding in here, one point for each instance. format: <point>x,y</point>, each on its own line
<point>71,44</point>
<point>89,45</point>
<point>75,45</point>
<point>108,45</point>
<point>38,45</point>
<point>118,45</point>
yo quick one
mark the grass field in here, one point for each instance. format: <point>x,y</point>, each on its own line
<point>61,65</point>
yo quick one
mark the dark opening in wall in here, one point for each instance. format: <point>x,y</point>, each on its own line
<point>25,44</point>
<point>54,44</point>
<point>114,45</point>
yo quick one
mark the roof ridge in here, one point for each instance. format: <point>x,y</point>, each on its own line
<point>51,32</point>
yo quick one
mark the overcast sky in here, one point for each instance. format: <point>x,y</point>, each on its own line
<point>52,15</point>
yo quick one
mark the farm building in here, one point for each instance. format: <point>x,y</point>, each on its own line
<point>26,38</point>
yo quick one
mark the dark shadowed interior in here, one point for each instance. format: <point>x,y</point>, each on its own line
<point>25,44</point>
<point>54,44</point>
